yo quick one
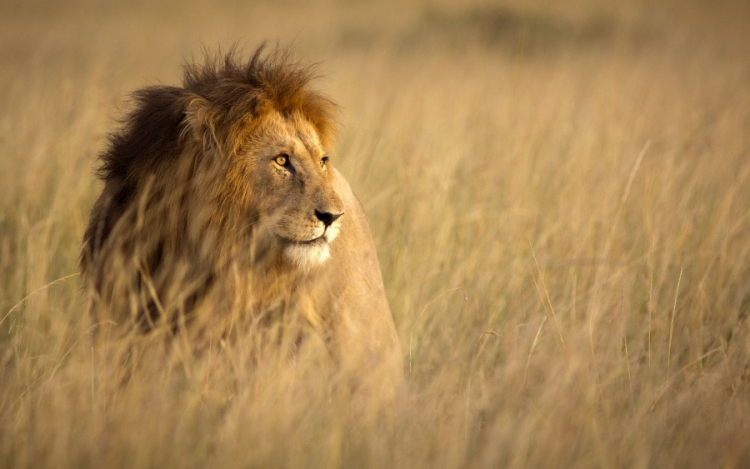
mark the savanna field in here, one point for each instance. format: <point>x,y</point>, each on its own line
<point>560,198</point>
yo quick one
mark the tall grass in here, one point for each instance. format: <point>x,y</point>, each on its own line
<point>561,202</point>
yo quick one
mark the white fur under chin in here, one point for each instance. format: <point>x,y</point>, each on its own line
<point>307,256</point>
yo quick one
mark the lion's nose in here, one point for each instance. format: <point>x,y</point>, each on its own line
<point>327,218</point>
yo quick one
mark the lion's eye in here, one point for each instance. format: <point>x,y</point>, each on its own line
<point>282,159</point>
<point>323,162</point>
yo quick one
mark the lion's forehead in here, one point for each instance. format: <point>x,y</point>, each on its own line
<point>294,133</point>
<point>304,146</point>
<point>307,135</point>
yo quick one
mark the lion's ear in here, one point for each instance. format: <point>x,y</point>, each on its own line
<point>200,123</point>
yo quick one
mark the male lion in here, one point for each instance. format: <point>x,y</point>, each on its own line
<point>220,203</point>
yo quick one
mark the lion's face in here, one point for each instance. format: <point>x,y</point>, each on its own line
<point>292,188</point>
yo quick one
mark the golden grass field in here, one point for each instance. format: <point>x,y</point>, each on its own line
<point>559,194</point>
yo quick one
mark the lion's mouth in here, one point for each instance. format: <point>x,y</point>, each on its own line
<point>326,237</point>
<point>319,240</point>
<point>308,242</point>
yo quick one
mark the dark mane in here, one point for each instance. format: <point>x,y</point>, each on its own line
<point>151,131</point>
<point>232,90</point>
<point>273,81</point>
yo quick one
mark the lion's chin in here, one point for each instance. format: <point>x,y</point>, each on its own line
<point>306,256</point>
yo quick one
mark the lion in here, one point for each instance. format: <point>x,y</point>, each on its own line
<point>220,201</point>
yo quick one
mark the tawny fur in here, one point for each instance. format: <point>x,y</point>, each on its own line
<point>213,207</point>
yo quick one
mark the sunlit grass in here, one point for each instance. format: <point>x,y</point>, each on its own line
<point>562,213</point>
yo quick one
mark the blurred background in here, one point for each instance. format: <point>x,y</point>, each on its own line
<point>559,196</point>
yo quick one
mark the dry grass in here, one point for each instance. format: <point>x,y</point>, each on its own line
<point>561,202</point>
